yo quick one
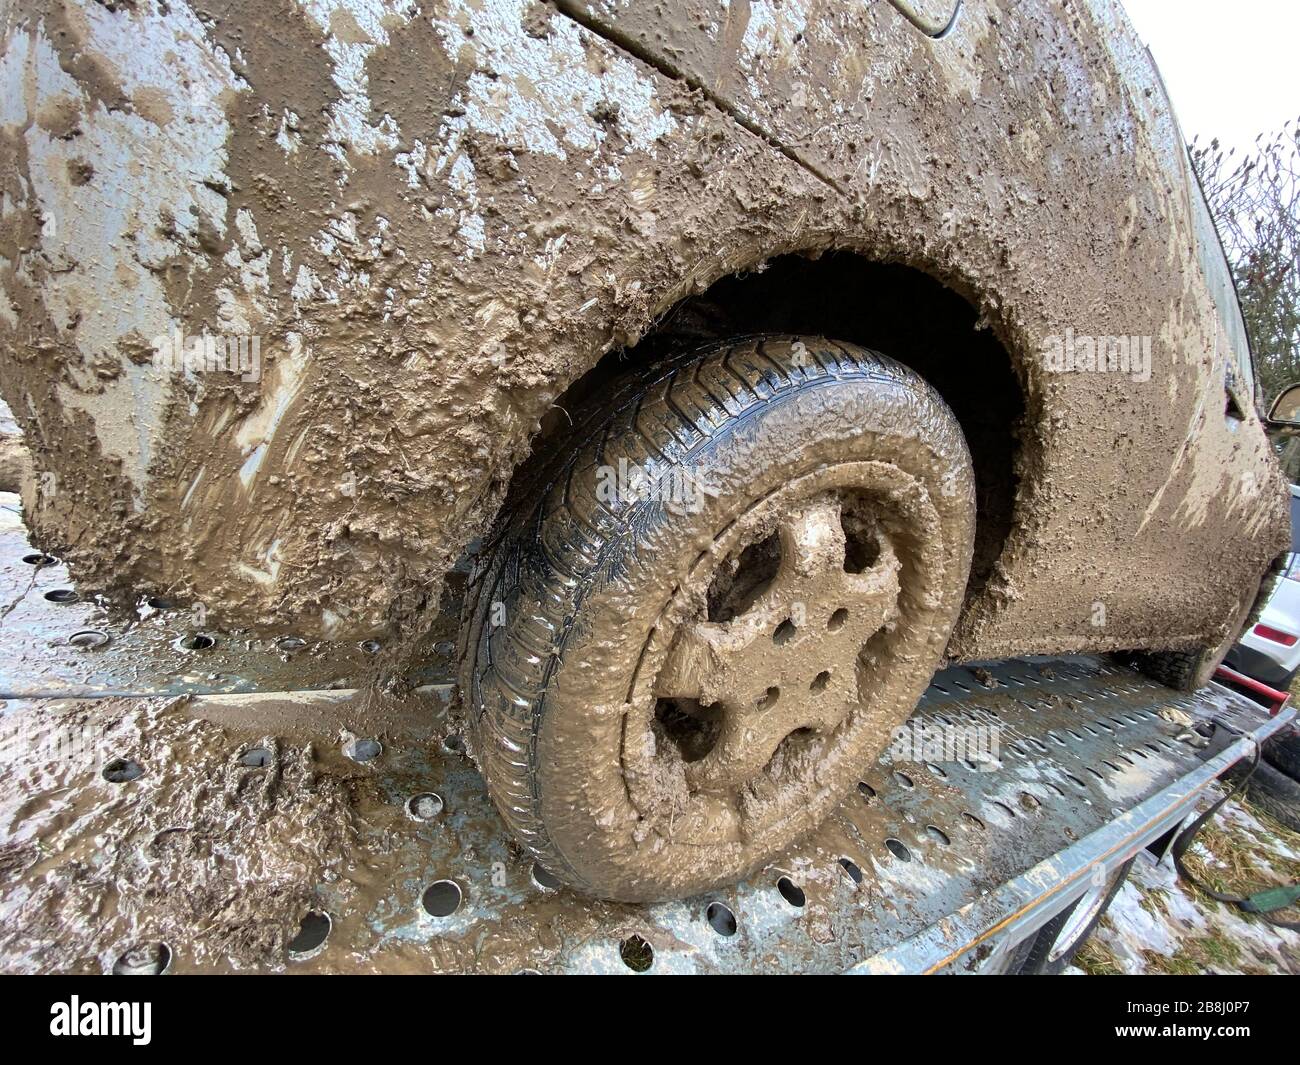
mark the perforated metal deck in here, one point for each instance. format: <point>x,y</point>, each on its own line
<point>926,865</point>
<point>933,862</point>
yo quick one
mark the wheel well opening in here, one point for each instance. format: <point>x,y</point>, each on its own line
<point>892,308</point>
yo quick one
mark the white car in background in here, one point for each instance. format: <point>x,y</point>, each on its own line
<point>1269,651</point>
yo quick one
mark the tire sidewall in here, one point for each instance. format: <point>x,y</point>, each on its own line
<point>583,799</point>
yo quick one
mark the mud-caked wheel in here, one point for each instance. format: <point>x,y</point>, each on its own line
<point>701,618</point>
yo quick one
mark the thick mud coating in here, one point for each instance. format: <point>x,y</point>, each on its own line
<point>233,819</point>
<point>186,843</point>
<point>239,816</point>
<point>435,219</point>
<point>15,461</point>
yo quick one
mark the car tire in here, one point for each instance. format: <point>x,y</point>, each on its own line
<point>633,670</point>
<point>1057,942</point>
<point>1185,671</point>
<point>1278,795</point>
<point>1181,670</point>
<point>1283,753</point>
<point>1189,671</point>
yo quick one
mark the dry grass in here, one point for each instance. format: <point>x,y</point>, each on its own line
<point>1196,956</point>
<point>1249,862</point>
<point>1096,959</point>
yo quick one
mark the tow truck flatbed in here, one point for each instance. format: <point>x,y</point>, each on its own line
<point>932,864</point>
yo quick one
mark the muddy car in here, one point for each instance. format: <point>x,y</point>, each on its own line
<point>755,359</point>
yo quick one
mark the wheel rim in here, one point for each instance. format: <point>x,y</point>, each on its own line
<point>738,668</point>
<point>749,716</point>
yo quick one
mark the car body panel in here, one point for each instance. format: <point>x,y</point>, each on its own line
<point>1263,656</point>
<point>432,226</point>
<point>1282,615</point>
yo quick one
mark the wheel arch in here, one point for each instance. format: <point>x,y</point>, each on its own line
<point>988,374</point>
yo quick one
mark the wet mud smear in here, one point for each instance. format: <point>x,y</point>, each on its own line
<point>133,823</point>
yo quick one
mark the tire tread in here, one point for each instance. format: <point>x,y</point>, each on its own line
<point>505,670</point>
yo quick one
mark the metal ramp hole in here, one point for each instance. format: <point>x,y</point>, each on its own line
<point>938,835</point>
<point>88,639</point>
<point>851,869</point>
<point>721,919</point>
<point>442,898</point>
<point>866,791</point>
<point>312,933</point>
<point>898,849</point>
<point>424,807</point>
<point>902,779</point>
<point>256,758</point>
<point>637,954</point>
<point>791,892</point>
<point>363,749</point>
<point>62,595</point>
<point>39,559</point>
<point>122,771</point>
<point>149,959</point>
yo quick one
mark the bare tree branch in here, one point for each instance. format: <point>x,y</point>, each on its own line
<point>1255,201</point>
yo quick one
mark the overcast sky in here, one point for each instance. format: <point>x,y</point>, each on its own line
<point>1232,66</point>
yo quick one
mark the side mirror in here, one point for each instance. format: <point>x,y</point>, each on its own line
<point>1285,412</point>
